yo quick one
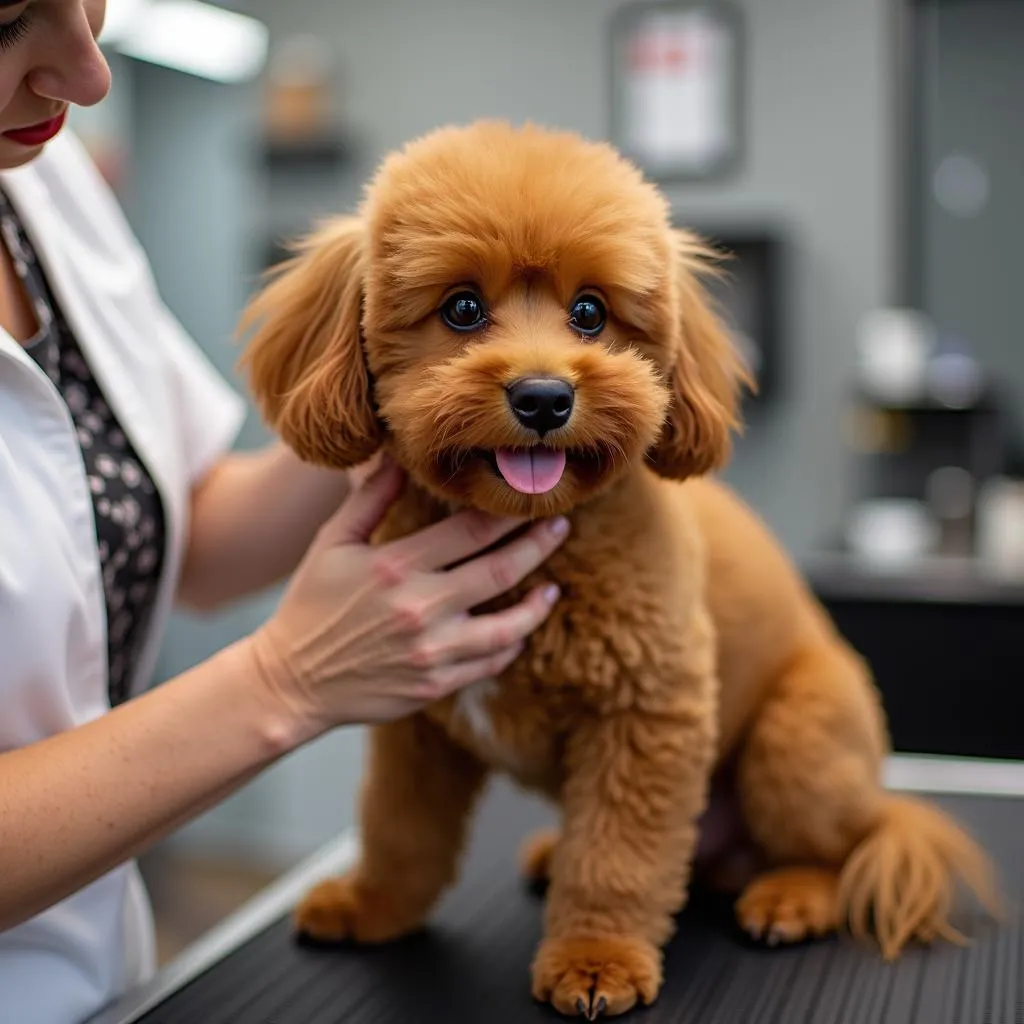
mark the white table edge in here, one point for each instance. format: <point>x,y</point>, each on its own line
<point>253,917</point>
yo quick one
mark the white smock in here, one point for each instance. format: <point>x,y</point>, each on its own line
<point>181,415</point>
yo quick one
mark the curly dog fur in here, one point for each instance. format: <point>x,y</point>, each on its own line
<point>686,654</point>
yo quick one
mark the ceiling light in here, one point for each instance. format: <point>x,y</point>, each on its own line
<point>189,36</point>
<point>121,15</point>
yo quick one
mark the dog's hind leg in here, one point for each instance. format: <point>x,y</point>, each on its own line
<point>415,805</point>
<point>536,854</point>
<point>842,850</point>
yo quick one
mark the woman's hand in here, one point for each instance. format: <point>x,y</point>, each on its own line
<point>366,633</point>
<point>362,634</point>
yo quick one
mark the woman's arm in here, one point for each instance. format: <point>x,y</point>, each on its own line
<point>75,805</point>
<point>252,519</point>
<point>361,634</point>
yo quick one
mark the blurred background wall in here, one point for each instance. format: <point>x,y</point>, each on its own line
<point>969,175</point>
<point>832,165</point>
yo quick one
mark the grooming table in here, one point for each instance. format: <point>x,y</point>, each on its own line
<point>472,963</point>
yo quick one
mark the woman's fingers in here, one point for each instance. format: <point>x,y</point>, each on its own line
<point>364,508</point>
<point>452,540</point>
<point>468,638</point>
<point>497,572</point>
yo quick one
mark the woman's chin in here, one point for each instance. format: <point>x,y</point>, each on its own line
<point>13,155</point>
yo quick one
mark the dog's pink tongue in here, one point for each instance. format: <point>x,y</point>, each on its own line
<point>531,470</point>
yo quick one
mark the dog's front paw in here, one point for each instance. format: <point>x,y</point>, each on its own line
<point>593,976</point>
<point>341,909</point>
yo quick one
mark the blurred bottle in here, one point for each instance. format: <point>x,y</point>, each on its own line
<point>893,349</point>
<point>950,493</point>
<point>954,376</point>
<point>891,533</point>
<point>1000,533</point>
<point>300,88</point>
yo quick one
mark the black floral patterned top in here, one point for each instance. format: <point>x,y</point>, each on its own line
<point>128,512</point>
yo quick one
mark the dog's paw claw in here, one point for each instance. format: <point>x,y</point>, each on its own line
<point>591,1008</point>
<point>596,976</point>
<point>789,906</point>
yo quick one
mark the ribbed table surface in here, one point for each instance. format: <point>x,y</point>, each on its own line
<point>471,966</point>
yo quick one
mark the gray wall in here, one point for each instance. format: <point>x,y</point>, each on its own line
<point>817,164</point>
<point>972,91</point>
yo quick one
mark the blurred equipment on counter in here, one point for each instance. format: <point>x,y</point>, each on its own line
<point>893,348</point>
<point>891,532</point>
<point>933,432</point>
<point>1000,531</point>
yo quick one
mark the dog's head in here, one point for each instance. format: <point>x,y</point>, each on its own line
<point>512,313</point>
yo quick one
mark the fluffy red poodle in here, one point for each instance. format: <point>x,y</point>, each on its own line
<point>511,314</point>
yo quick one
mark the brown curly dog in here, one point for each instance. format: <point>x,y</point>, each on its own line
<point>512,315</point>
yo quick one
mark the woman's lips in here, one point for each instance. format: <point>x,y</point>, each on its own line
<point>37,134</point>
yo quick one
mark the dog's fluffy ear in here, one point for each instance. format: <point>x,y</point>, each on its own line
<point>305,360</point>
<point>707,374</point>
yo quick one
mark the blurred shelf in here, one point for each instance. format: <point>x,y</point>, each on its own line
<point>985,404</point>
<point>318,154</point>
<point>933,580</point>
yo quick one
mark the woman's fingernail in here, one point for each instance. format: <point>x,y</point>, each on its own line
<point>560,526</point>
<point>551,593</point>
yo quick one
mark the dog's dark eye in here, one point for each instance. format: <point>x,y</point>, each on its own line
<point>588,315</point>
<point>463,312</point>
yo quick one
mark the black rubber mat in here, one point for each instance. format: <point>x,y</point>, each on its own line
<point>471,966</point>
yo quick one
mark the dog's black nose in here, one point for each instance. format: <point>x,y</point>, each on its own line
<point>541,403</point>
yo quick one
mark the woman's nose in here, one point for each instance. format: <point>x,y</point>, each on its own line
<point>74,69</point>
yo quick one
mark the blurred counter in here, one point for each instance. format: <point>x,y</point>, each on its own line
<point>946,643</point>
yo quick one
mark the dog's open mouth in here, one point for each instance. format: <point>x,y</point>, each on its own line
<point>534,470</point>
<point>530,470</point>
<point>539,469</point>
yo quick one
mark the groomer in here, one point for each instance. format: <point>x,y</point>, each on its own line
<point>120,495</point>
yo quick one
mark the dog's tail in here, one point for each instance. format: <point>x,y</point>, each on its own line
<point>901,880</point>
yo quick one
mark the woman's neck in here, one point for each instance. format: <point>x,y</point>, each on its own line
<point>16,314</point>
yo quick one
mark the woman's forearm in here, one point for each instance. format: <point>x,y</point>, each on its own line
<point>74,806</point>
<point>252,520</point>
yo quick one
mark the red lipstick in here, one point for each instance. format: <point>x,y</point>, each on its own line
<point>37,134</point>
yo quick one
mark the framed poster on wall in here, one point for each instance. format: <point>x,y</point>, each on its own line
<point>676,77</point>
